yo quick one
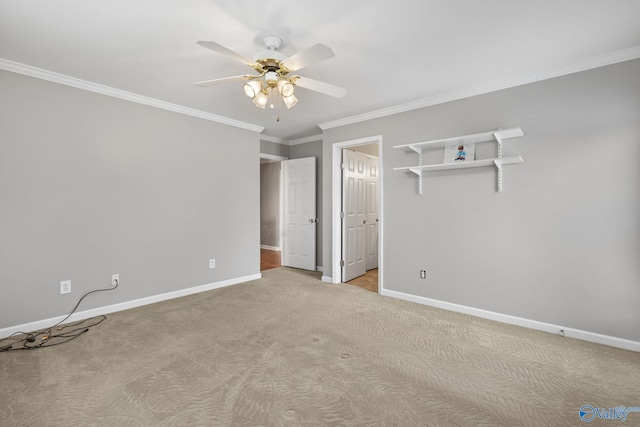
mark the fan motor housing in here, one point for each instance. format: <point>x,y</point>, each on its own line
<point>271,59</point>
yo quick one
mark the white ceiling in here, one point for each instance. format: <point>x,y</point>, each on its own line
<point>388,53</point>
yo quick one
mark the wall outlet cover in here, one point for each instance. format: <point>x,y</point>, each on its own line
<point>65,287</point>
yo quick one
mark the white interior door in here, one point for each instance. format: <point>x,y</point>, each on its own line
<point>299,199</point>
<point>354,214</point>
<point>372,203</point>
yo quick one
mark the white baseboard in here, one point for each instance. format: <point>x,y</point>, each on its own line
<point>327,279</point>
<point>519,321</point>
<point>271,248</point>
<point>81,315</point>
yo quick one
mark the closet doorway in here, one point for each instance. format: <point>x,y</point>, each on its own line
<point>357,201</point>
<point>360,195</point>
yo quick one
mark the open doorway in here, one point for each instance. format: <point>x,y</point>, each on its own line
<point>357,213</point>
<point>288,222</point>
<point>270,211</point>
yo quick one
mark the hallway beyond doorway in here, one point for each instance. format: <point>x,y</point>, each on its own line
<point>269,259</point>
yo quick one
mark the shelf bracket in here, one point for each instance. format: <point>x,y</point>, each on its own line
<point>498,137</point>
<point>416,149</point>
<point>498,163</point>
<point>420,173</point>
<point>417,170</point>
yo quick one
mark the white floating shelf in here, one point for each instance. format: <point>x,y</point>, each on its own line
<point>462,165</point>
<point>476,138</point>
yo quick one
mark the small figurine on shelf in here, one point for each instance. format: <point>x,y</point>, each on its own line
<point>459,153</point>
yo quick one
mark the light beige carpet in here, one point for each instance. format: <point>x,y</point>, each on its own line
<point>291,350</point>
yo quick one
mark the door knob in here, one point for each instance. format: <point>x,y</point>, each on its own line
<point>364,221</point>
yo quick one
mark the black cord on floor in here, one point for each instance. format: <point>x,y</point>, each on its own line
<point>49,337</point>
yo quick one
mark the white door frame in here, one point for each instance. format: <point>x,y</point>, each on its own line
<point>336,192</point>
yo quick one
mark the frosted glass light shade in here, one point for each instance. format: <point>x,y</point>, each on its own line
<point>290,101</point>
<point>252,88</point>
<point>260,100</point>
<point>285,88</point>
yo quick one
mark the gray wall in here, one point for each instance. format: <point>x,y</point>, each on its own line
<point>92,185</point>
<point>314,149</point>
<point>268,147</point>
<point>561,244</point>
<point>270,204</point>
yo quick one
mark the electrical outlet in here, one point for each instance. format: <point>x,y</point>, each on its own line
<point>423,274</point>
<point>65,287</point>
<point>212,263</point>
<point>115,280</point>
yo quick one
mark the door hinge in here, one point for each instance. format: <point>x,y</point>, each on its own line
<point>342,166</point>
<point>341,215</point>
<point>341,263</point>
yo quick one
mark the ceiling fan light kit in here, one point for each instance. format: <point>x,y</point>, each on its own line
<point>272,86</point>
<point>260,90</point>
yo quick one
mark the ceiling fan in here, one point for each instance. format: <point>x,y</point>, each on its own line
<point>273,70</point>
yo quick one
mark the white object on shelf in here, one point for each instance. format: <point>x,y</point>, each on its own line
<point>497,135</point>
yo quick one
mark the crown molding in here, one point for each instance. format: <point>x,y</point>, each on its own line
<point>274,139</point>
<point>306,139</point>
<point>584,65</point>
<point>291,142</point>
<point>39,73</point>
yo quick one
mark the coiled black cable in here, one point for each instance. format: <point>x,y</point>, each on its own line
<point>47,337</point>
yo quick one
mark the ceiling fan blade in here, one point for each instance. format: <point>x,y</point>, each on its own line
<point>214,82</point>
<point>315,53</point>
<point>228,52</point>
<point>322,87</point>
